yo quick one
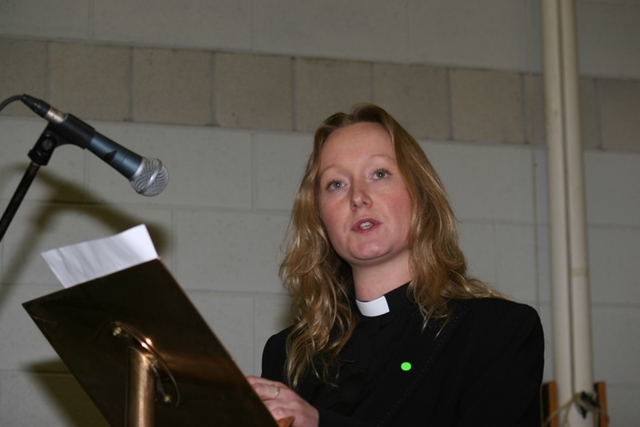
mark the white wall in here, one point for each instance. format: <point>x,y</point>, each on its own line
<point>219,224</point>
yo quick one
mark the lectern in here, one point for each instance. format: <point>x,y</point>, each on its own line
<point>144,355</point>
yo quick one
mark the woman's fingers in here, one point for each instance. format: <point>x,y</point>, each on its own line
<point>267,390</point>
<point>285,405</point>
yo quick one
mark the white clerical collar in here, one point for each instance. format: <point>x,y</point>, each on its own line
<point>374,308</point>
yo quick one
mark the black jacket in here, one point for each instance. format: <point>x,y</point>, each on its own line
<point>483,369</point>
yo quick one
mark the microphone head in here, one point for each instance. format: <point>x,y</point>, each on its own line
<point>150,178</point>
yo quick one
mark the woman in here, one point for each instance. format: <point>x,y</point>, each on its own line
<point>389,329</point>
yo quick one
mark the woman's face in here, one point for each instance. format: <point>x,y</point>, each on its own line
<point>363,201</point>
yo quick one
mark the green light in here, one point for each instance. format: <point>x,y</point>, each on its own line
<point>405,366</point>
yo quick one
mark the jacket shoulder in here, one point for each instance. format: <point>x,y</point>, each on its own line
<point>495,309</point>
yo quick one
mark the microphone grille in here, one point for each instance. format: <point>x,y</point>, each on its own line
<point>151,177</point>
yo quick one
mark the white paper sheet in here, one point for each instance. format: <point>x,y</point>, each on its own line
<point>79,263</point>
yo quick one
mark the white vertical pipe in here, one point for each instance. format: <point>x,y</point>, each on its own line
<point>569,265</point>
<point>557,200</point>
<point>579,279</point>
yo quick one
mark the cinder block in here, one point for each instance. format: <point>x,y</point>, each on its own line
<point>492,34</point>
<point>622,401</point>
<point>611,182</point>
<point>516,267</point>
<point>23,343</point>
<point>589,114</point>
<point>64,19</point>
<point>199,24</point>
<point>23,70</point>
<point>230,317</point>
<point>417,96</point>
<point>544,263</point>
<point>324,87</point>
<point>616,343</point>
<point>208,167</point>
<point>172,86</point>
<point>609,36</point>
<point>332,29</point>
<point>475,238</point>
<point>619,113</point>
<point>487,106</point>
<point>621,263</point>
<point>229,251</point>
<point>279,162</point>
<point>91,81</point>
<point>41,398</point>
<point>533,96</point>
<point>486,182</point>
<point>253,91</point>
<point>534,105</point>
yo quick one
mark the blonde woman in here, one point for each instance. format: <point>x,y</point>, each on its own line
<point>389,328</point>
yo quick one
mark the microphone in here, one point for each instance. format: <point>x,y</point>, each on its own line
<point>147,176</point>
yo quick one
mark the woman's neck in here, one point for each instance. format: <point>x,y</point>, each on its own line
<point>371,283</point>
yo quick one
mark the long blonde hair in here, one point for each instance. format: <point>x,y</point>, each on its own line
<point>320,282</point>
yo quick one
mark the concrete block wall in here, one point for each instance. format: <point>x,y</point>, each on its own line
<point>268,92</point>
<point>227,94</point>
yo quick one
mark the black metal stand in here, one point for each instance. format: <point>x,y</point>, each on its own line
<point>40,154</point>
<point>19,194</point>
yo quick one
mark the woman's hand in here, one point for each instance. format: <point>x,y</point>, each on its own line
<point>283,402</point>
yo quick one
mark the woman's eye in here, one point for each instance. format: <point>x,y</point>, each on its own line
<point>381,174</point>
<point>334,185</point>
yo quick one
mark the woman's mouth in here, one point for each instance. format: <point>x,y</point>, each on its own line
<point>365,224</point>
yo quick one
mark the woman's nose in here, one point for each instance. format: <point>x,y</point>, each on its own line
<point>359,197</point>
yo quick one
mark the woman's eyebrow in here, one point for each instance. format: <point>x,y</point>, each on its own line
<point>373,156</point>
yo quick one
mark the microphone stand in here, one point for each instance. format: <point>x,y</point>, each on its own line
<point>40,155</point>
